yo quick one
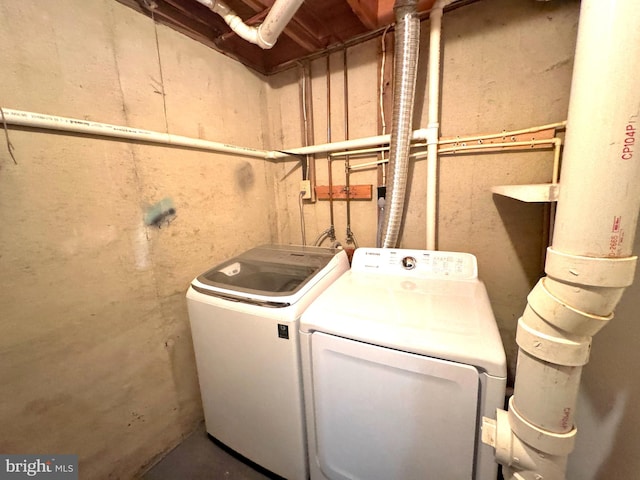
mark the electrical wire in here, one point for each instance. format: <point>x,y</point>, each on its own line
<point>152,7</point>
<point>302,225</point>
<point>10,146</point>
<point>303,88</point>
<point>383,121</point>
<point>305,75</point>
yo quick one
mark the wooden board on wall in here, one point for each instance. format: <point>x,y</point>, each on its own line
<point>356,192</point>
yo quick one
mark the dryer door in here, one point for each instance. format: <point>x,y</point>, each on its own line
<point>386,414</point>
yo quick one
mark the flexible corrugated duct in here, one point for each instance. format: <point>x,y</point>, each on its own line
<point>590,262</point>
<point>405,69</point>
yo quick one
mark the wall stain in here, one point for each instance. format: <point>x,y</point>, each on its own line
<point>245,177</point>
<point>41,406</point>
<point>136,417</point>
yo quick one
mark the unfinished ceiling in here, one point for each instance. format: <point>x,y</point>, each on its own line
<point>318,25</point>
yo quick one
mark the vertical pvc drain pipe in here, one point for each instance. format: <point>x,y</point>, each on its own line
<point>433,126</point>
<point>590,263</point>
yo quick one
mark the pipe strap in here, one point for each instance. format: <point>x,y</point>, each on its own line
<point>559,350</point>
<point>542,440</point>
<point>565,317</point>
<point>592,271</point>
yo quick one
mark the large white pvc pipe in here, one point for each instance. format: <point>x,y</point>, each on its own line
<point>267,33</point>
<point>589,263</point>
<point>607,135</point>
<point>52,122</point>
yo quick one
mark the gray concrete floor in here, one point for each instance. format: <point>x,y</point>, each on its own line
<point>199,458</point>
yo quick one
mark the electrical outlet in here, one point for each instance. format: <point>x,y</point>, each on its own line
<point>305,186</point>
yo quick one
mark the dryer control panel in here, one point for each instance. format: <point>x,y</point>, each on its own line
<point>416,263</point>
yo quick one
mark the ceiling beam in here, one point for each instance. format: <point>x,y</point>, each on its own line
<point>367,12</point>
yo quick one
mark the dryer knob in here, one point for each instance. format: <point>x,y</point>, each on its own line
<point>409,263</point>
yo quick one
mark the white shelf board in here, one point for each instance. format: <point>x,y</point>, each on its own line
<point>546,192</point>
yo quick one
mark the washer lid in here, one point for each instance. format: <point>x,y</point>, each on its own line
<point>266,271</point>
<point>416,310</point>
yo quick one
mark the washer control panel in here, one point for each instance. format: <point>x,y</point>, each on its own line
<point>416,263</point>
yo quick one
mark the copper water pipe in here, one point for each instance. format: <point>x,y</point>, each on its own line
<point>350,238</point>
<point>332,234</point>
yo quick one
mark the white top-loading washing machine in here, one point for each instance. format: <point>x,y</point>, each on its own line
<point>401,359</point>
<point>244,322</point>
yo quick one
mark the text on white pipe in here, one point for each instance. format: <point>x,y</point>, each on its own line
<point>629,141</point>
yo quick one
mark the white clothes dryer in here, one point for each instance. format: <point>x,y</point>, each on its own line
<point>401,360</point>
<point>244,316</point>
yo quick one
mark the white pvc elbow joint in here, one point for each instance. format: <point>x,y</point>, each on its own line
<point>523,449</point>
<point>265,35</point>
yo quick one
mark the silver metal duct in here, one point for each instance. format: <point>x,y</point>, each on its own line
<point>405,70</point>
